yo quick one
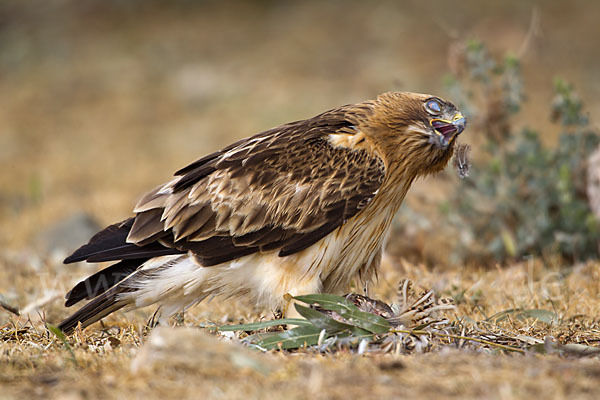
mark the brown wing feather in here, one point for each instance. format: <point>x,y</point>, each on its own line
<point>284,189</point>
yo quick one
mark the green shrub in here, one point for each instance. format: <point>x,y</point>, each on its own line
<point>522,197</point>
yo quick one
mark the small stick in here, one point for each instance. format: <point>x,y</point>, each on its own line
<point>9,308</point>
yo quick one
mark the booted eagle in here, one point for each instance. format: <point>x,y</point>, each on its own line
<point>301,208</point>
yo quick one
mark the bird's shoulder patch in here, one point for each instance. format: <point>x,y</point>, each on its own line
<point>351,138</point>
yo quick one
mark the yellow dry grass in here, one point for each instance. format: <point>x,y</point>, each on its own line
<point>34,362</point>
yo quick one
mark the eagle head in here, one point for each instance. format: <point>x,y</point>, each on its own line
<point>416,132</point>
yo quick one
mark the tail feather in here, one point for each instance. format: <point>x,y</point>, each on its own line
<point>96,309</point>
<point>132,251</point>
<point>112,236</point>
<point>128,282</point>
<point>102,281</point>
<point>106,299</point>
<point>110,244</point>
<point>107,289</point>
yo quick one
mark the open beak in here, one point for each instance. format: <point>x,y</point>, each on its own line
<point>448,130</point>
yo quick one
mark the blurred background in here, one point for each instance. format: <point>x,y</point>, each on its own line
<point>102,100</point>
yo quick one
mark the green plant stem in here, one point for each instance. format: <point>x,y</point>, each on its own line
<point>61,336</point>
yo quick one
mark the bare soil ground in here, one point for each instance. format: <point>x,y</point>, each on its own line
<point>101,101</point>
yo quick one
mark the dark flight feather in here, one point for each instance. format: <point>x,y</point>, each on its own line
<point>111,236</point>
<point>110,245</point>
<point>96,309</point>
<point>101,281</point>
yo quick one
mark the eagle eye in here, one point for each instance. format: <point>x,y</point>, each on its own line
<point>433,106</point>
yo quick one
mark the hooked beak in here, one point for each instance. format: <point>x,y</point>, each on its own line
<point>448,130</point>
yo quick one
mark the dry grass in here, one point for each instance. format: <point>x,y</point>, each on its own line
<point>35,362</point>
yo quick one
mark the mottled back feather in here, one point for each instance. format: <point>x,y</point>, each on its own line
<point>285,188</point>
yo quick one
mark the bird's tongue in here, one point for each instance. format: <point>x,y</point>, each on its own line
<point>446,129</point>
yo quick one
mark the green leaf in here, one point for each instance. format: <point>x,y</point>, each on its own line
<point>538,348</point>
<point>326,301</point>
<point>301,336</point>
<point>576,349</point>
<point>361,325</point>
<point>331,326</point>
<point>254,326</point>
<point>346,309</point>
<point>546,316</point>
<point>321,320</point>
<point>61,336</point>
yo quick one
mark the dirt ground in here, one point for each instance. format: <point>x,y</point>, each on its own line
<point>102,101</point>
<point>106,358</point>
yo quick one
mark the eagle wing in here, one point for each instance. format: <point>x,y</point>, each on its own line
<point>283,189</point>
